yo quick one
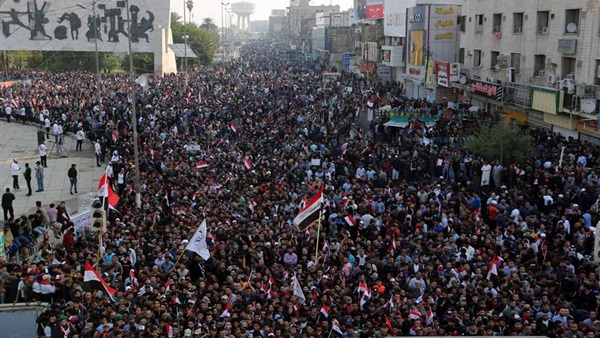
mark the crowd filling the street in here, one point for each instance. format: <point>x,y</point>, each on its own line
<point>268,209</point>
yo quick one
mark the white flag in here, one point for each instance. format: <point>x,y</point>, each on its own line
<point>298,291</point>
<point>198,242</point>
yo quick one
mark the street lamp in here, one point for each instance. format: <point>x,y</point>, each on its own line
<point>94,23</point>
<point>138,194</point>
<point>223,4</point>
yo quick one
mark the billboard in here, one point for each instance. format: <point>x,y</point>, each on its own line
<point>360,8</point>
<point>417,46</point>
<point>394,17</point>
<point>374,9</point>
<point>442,69</point>
<point>443,31</point>
<point>70,25</point>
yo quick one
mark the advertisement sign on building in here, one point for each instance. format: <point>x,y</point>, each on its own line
<point>360,9</point>
<point>488,90</point>
<point>374,9</point>
<point>416,72</point>
<point>443,32</point>
<point>417,46</point>
<point>394,17</point>
<point>442,70</point>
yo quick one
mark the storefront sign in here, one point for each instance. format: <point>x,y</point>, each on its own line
<point>488,90</point>
<point>374,9</point>
<point>444,36</point>
<point>442,70</point>
<point>415,18</point>
<point>416,72</point>
<point>443,23</point>
<point>444,10</point>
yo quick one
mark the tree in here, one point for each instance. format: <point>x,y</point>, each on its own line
<point>199,40</point>
<point>486,142</point>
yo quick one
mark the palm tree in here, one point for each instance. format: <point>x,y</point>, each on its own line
<point>208,24</point>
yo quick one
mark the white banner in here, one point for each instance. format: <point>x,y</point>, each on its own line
<point>198,242</point>
<point>82,221</point>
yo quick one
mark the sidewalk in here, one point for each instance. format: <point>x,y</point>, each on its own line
<point>20,141</point>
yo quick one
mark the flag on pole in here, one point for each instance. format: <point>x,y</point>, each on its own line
<point>92,279</point>
<point>414,314</point>
<point>325,310</point>
<point>247,163</point>
<point>298,290</point>
<point>106,191</point>
<point>365,296</point>
<point>429,319</point>
<point>233,127</point>
<point>350,220</point>
<point>336,327</point>
<point>201,165</point>
<point>311,213</point>
<point>198,242</point>
<point>390,328</point>
<point>169,330</point>
<point>226,312</point>
<point>494,265</point>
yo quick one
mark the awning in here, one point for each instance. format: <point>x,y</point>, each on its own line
<point>181,52</point>
<point>396,124</point>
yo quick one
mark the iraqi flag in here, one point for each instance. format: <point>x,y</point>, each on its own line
<point>92,280</point>
<point>390,328</point>
<point>494,265</point>
<point>325,310</point>
<point>429,319</point>
<point>414,314</point>
<point>311,212</point>
<point>247,163</point>
<point>106,191</point>
<point>201,165</point>
<point>233,127</point>
<point>226,312</point>
<point>350,220</point>
<point>336,327</point>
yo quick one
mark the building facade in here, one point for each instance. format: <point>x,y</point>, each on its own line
<point>537,52</point>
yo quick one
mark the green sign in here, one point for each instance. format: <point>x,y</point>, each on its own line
<point>2,249</point>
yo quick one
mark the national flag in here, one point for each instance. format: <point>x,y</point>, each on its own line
<point>151,153</point>
<point>106,191</point>
<point>495,264</point>
<point>344,148</point>
<point>233,127</point>
<point>298,290</point>
<point>271,281</point>
<point>192,300</point>
<point>350,220</point>
<point>336,327</point>
<point>429,319</point>
<point>311,213</point>
<point>177,301</point>
<point>198,242</point>
<point>366,295</point>
<point>390,303</point>
<point>167,285</point>
<point>390,328</point>
<point>302,203</point>
<point>247,163</point>
<point>414,314</point>
<point>166,199</point>
<point>169,331</point>
<point>252,206</point>
<point>201,165</point>
<point>92,280</point>
<point>134,280</point>
<point>362,286</point>
<point>297,307</point>
<point>226,312</point>
<point>325,310</point>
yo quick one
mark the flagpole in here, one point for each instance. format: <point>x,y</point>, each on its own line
<point>185,249</point>
<point>330,331</point>
<point>318,235</point>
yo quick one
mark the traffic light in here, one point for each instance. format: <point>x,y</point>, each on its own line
<point>97,215</point>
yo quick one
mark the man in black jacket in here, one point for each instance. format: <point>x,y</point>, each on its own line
<point>72,173</point>
<point>7,207</point>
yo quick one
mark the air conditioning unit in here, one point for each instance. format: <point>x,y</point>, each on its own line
<point>479,29</point>
<point>551,79</point>
<point>491,80</point>
<point>569,85</point>
<point>541,73</point>
<point>510,74</point>
<point>571,76</point>
<point>518,30</point>
<point>358,30</point>
<point>580,90</point>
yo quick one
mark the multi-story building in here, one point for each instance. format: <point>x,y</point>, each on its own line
<point>542,59</point>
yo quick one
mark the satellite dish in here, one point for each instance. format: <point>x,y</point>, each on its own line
<point>572,27</point>
<point>462,79</point>
<point>588,106</point>
<point>142,80</point>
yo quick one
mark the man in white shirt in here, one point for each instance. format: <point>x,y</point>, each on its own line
<point>98,151</point>
<point>43,149</point>
<point>79,137</point>
<point>47,125</point>
<point>56,131</point>
<point>8,111</point>
<point>15,169</point>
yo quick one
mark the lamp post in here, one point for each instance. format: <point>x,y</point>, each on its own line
<point>223,4</point>
<point>189,4</point>
<point>138,194</point>
<point>95,28</point>
<point>185,37</point>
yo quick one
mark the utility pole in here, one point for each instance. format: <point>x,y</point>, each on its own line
<point>132,84</point>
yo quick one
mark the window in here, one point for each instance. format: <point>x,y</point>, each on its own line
<point>462,20</point>
<point>515,61</point>
<point>497,23</point>
<point>477,58</point>
<point>518,23</point>
<point>461,56</point>
<point>539,65</point>
<point>494,59</point>
<point>597,73</point>
<point>572,21</point>
<point>479,23</point>
<point>543,18</point>
<point>568,66</point>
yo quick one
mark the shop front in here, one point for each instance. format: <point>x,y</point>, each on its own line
<point>487,96</point>
<point>546,104</point>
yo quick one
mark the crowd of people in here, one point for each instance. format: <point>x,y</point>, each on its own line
<point>417,238</point>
